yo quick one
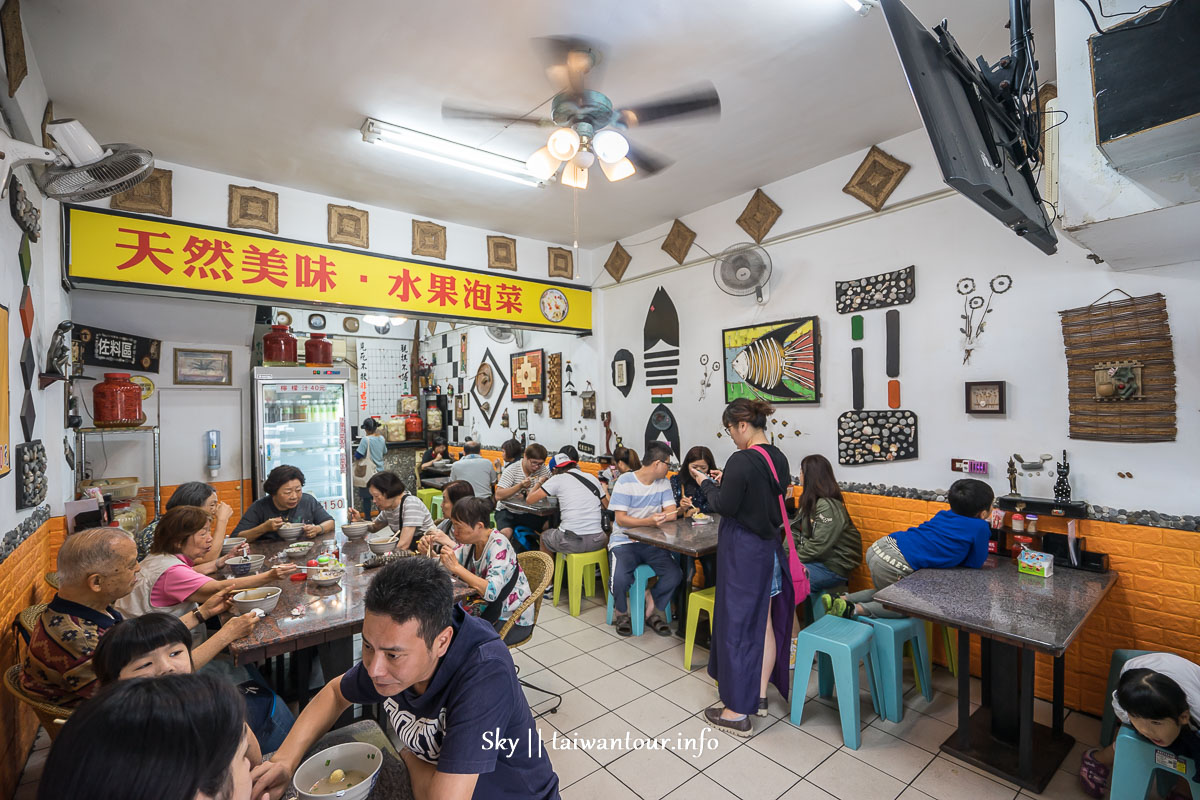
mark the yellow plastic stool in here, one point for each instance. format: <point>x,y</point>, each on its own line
<point>435,509</point>
<point>426,496</point>
<point>578,567</point>
<point>949,639</point>
<point>703,600</point>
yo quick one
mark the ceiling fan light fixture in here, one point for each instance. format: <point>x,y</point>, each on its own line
<point>542,164</point>
<point>563,144</point>
<point>617,170</point>
<point>584,159</point>
<point>575,176</point>
<point>610,146</point>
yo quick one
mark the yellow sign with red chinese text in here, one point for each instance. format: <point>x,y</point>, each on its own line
<point>110,248</point>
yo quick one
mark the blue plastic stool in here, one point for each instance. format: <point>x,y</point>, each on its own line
<point>1135,764</point>
<point>637,599</point>
<point>526,537</point>
<point>891,637</point>
<point>846,643</point>
<point>824,665</point>
<point>1108,722</point>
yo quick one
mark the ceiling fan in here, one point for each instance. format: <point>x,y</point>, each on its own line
<point>587,126</point>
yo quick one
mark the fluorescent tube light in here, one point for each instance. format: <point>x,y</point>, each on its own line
<point>445,151</point>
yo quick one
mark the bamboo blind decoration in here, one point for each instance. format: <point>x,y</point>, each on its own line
<point>1133,329</point>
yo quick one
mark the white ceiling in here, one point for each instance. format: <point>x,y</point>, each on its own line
<point>275,90</point>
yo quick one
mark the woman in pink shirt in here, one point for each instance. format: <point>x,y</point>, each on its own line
<point>170,580</point>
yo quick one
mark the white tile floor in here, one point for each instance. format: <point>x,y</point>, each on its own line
<point>613,686</point>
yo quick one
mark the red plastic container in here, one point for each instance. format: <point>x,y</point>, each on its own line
<point>413,427</point>
<point>279,347</point>
<point>117,402</point>
<point>318,351</point>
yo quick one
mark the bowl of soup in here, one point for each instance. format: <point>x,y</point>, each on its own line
<point>290,531</point>
<point>264,597</point>
<point>298,550</point>
<point>382,543</point>
<point>241,566</point>
<point>346,771</point>
<point>232,542</point>
<point>325,576</point>
<point>356,530</point>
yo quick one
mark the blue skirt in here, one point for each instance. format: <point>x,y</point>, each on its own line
<point>746,566</point>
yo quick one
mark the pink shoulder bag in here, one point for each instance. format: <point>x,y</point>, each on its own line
<point>799,574</point>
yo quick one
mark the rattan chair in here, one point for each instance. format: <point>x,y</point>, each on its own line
<point>51,716</point>
<point>539,571</point>
<point>26,622</point>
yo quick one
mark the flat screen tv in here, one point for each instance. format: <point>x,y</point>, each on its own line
<point>971,137</point>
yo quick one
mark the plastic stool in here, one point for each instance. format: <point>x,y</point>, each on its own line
<point>847,643</point>
<point>1135,764</point>
<point>949,641</point>
<point>1108,722</point>
<point>436,507</point>
<point>637,599</point>
<point>703,600</point>
<point>526,537</point>
<point>576,568</point>
<point>891,637</point>
<point>426,496</point>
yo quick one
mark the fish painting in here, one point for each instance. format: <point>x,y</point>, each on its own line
<point>778,362</point>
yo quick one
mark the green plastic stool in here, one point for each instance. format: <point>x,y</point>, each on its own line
<point>436,510</point>
<point>426,496</point>
<point>703,600</point>
<point>578,567</point>
<point>1108,722</point>
<point>950,641</point>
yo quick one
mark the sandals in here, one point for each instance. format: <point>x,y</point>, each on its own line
<point>1093,776</point>
<point>658,623</point>
<point>623,624</point>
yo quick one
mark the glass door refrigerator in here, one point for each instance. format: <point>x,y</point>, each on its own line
<point>300,419</point>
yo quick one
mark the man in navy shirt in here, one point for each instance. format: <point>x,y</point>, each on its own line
<point>449,691</point>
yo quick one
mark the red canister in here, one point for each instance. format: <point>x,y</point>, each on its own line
<point>318,351</point>
<point>117,402</point>
<point>413,426</point>
<point>279,347</point>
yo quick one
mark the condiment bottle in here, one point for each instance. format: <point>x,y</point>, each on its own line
<point>1018,523</point>
<point>1031,521</point>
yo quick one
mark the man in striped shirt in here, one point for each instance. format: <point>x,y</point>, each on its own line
<point>518,479</point>
<point>642,498</point>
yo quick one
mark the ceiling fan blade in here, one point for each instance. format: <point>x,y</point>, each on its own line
<point>451,111</point>
<point>702,100</point>
<point>647,162</point>
<point>568,60</point>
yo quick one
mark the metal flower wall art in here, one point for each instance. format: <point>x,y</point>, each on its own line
<point>976,309</point>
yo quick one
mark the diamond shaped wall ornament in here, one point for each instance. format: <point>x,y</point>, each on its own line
<point>26,309</point>
<point>28,415</point>
<point>28,364</point>
<point>876,178</point>
<point>25,259</point>
<point>679,241</point>
<point>618,262</point>
<point>760,214</point>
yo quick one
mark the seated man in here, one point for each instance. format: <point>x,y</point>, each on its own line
<point>448,689</point>
<point>96,568</point>
<point>642,498</point>
<point>954,538</point>
<point>474,469</point>
<point>518,478</point>
<point>581,502</point>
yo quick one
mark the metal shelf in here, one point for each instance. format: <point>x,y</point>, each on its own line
<point>81,435</point>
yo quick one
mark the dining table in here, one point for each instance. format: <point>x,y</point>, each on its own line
<point>1015,615</point>
<point>687,540</point>
<point>546,507</point>
<point>438,482</point>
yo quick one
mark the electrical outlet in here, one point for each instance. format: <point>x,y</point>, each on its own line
<point>968,466</point>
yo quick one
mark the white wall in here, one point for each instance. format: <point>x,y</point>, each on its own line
<point>946,239</point>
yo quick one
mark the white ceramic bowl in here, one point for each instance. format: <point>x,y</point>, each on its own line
<point>264,597</point>
<point>325,576</point>
<point>231,542</point>
<point>291,531</point>
<point>381,544</point>
<point>245,565</point>
<point>356,530</point>
<point>357,756</point>
<point>299,550</point>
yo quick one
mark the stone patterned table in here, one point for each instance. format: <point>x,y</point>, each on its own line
<point>438,483</point>
<point>1014,615</point>
<point>546,507</point>
<point>688,542</point>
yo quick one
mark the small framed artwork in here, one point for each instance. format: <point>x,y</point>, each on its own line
<point>204,367</point>
<point>522,419</point>
<point>985,397</point>
<point>528,375</point>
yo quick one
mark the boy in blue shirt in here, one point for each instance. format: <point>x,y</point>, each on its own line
<point>954,538</point>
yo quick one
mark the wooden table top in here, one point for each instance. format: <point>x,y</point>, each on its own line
<point>681,536</point>
<point>329,612</point>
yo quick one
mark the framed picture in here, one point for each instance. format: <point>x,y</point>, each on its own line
<point>522,419</point>
<point>528,370</point>
<point>204,367</point>
<point>985,397</point>
<point>779,362</point>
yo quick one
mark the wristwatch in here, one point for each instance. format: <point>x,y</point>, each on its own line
<point>199,616</point>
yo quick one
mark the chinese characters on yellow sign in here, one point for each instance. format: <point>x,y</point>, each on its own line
<point>109,248</point>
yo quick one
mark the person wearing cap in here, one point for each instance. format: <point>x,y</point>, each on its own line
<point>581,503</point>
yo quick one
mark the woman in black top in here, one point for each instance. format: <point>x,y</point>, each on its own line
<point>437,451</point>
<point>689,497</point>
<point>752,618</point>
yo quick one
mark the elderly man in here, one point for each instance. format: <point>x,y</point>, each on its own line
<point>96,567</point>
<point>475,470</point>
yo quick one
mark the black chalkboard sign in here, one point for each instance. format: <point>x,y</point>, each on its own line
<point>99,347</point>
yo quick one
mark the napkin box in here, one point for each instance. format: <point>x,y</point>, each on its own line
<point>1031,562</point>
